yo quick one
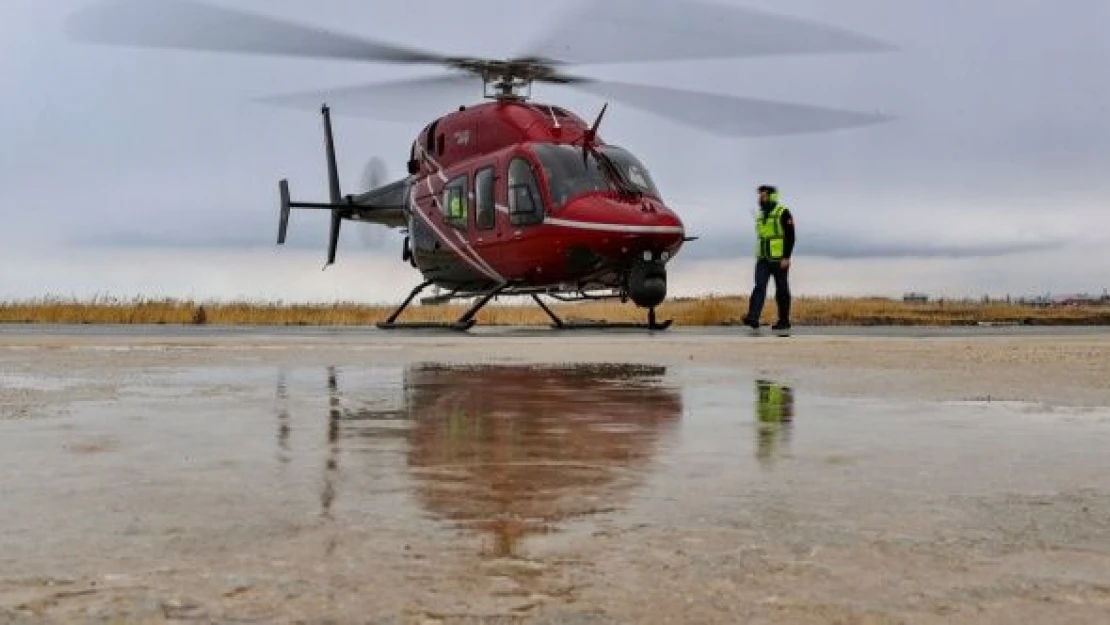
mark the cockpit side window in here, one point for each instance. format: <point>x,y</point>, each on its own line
<point>525,200</point>
<point>631,169</point>
<point>570,175</point>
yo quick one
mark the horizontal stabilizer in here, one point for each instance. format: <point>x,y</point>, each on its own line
<point>384,206</point>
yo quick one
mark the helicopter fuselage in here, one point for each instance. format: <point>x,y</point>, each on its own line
<point>505,192</point>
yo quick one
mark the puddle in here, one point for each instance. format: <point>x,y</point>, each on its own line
<point>515,450</point>
<point>496,489</point>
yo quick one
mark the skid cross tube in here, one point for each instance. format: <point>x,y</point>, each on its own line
<point>389,323</point>
<point>464,322</point>
<point>556,321</point>
<point>467,319</point>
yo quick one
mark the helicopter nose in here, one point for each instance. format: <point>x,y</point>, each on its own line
<point>650,216</point>
<point>629,227</point>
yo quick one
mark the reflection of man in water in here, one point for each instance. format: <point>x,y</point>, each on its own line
<point>774,411</point>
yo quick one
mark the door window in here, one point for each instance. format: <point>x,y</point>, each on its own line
<point>485,216</point>
<point>525,201</point>
<point>454,204</point>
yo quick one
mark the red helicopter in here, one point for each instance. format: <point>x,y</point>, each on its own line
<point>513,197</point>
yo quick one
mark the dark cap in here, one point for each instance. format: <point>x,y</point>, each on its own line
<point>767,188</point>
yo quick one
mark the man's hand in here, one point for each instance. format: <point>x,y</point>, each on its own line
<point>785,263</point>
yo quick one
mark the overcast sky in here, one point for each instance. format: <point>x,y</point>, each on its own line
<point>127,171</point>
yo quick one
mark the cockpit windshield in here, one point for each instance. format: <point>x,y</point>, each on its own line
<point>568,177</point>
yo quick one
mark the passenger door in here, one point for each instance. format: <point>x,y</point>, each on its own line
<point>486,226</point>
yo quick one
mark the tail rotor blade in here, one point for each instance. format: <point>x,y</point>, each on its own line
<point>373,236</point>
<point>375,175</point>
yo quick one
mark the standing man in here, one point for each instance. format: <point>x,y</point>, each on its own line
<point>774,229</point>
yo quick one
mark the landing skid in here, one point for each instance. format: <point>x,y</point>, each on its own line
<point>559,324</point>
<point>467,319</point>
<point>462,324</point>
<point>612,325</point>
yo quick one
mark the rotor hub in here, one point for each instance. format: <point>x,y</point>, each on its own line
<point>511,78</point>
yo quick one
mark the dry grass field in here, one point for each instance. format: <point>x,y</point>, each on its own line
<point>520,311</point>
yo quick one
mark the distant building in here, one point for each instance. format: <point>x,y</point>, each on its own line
<point>915,298</point>
<point>1078,299</point>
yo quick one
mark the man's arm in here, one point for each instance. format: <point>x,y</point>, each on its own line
<point>787,221</point>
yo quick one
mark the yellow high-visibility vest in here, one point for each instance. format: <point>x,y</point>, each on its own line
<point>770,237</point>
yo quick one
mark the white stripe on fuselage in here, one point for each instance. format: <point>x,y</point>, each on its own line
<point>630,228</point>
<point>436,166</point>
<point>473,252</point>
<point>480,265</point>
<point>478,257</point>
<point>593,225</point>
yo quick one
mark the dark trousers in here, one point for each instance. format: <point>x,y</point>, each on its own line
<point>764,271</point>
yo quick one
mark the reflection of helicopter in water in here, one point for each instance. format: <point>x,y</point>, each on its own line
<point>774,411</point>
<point>511,449</point>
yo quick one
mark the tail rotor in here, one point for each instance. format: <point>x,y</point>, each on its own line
<point>375,175</point>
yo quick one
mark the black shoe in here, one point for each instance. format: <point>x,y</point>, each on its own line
<point>782,325</point>
<point>751,323</point>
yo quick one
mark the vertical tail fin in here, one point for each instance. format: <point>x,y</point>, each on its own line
<point>333,168</point>
<point>333,185</point>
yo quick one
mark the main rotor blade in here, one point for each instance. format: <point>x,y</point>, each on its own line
<point>185,24</point>
<point>636,30</point>
<point>730,115</point>
<point>414,99</point>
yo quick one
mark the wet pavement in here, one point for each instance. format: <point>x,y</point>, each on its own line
<point>985,329</point>
<point>383,487</point>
